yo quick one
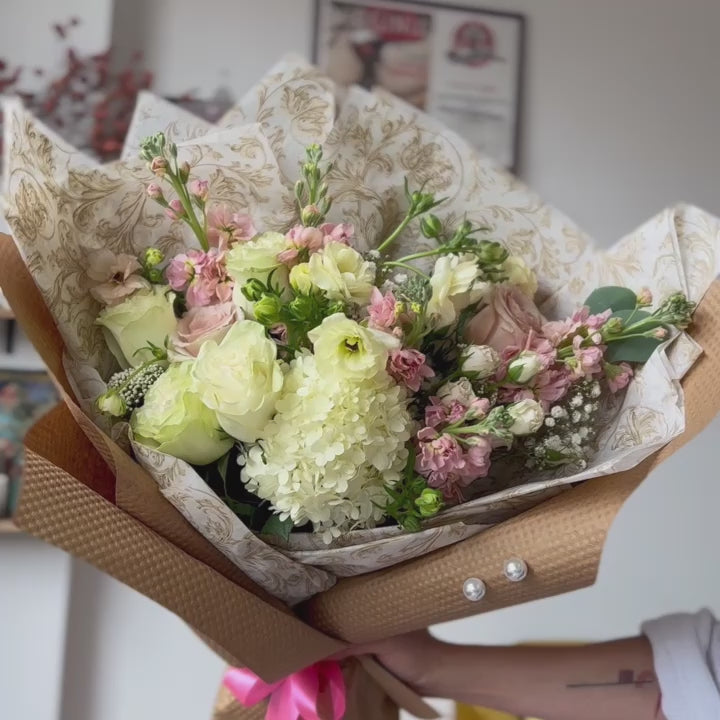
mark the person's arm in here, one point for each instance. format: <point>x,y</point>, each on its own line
<point>613,680</point>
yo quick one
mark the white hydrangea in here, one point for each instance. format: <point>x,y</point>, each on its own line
<point>330,449</point>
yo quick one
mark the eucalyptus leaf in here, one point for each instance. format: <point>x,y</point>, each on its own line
<point>611,297</point>
<point>277,527</point>
<point>633,350</point>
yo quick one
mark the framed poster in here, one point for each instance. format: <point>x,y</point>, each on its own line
<point>462,65</point>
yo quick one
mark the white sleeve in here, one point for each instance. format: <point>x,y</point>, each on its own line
<point>686,649</point>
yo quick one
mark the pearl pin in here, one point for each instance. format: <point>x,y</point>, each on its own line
<point>516,569</point>
<point>474,589</point>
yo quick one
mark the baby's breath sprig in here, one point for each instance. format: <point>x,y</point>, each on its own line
<point>311,191</point>
<point>127,388</point>
<point>569,430</point>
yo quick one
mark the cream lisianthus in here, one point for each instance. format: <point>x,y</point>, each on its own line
<point>345,349</point>
<point>528,417</point>
<point>257,258</point>
<point>240,379</point>
<point>455,285</point>
<point>342,273</point>
<point>331,449</point>
<point>145,317</point>
<point>174,420</point>
<point>520,275</point>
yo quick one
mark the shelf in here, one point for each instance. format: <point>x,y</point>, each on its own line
<point>7,527</point>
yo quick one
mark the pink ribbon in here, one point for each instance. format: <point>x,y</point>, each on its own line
<point>295,697</point>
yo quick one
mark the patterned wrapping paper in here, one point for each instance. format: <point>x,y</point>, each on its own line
<point>59,205</point>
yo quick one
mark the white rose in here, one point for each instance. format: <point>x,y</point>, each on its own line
<point>257,258</point>
<point>528,416</point>
<point>455,285</point>
<point>145,317</point>
<point>240,378</point>
<point>480,359</point>
<point>456,391</point>
<point>524,367</point>
<point>520,275</point>
<point>342,273</point>
<point>173,420</point>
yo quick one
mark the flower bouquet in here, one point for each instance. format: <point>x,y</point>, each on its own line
<point>336,339</point>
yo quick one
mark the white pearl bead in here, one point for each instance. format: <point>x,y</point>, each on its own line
<point>474,589</point>
<point>516,569</point>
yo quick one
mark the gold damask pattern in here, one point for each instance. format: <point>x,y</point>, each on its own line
<point>60,204</point>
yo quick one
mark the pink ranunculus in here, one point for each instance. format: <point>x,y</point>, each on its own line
<point>619,377</point>
<point>589,359</point>
<point>409,367</point>
<point>175,210</point>
<point>505,321</point>
<point>113,277</point>
<point>382,309</point>
<point>200,324</point>
<point>337,232</point>
<point>226,227</point>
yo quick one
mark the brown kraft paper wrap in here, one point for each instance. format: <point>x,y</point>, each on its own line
<point>84,495</point>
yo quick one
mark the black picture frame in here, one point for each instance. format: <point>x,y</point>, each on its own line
<point>420,5</point>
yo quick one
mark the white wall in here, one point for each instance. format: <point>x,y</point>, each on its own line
<point>34,590</point>
<point>622,101</point>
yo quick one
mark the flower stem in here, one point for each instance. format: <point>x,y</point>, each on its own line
<point>428,253</point>
<point>398,263</point>
<point>396,233</point>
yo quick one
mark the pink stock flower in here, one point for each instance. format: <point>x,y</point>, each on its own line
<point>409,367</point>
<point>183,268</point>
<point>154,191</point>
<point>337,232</point>
<point>438,453</point>
<point>382,309</point>
<point>456,411</point>
<point>618,376</point>
<point>558,330</point>
<point>505,321</point>
<point>113,277</point>
<point>477,458</point>
<point>589,359</point>
<point>435,413</point>
<point>226,227</point>
<point>210,284</point>
<point>201,324</point>
<point>479,407</point>
<point>175,209</point>
<point>199,188</point>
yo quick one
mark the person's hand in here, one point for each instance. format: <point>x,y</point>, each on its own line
<point>412,658</point>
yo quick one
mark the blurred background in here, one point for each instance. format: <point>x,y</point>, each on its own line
<point>618,119</point>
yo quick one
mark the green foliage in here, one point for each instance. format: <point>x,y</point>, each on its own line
<point>611,297</point>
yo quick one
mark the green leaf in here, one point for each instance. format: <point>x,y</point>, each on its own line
<point>277,527</point>
<point>612,298</point>
<point>634,350</point>
<point>242,510</point>
<point>222,466</point>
